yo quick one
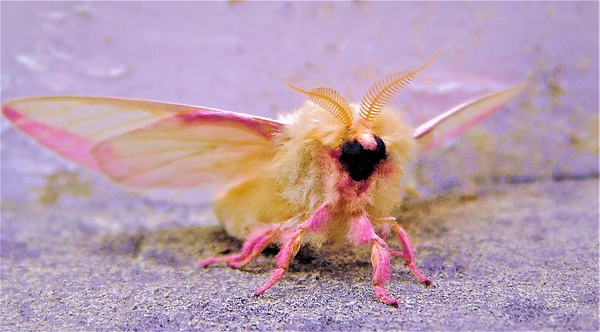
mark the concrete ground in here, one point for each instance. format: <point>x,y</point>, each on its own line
<point>516,257</point>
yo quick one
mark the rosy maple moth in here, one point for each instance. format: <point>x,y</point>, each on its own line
<point>328,173</point>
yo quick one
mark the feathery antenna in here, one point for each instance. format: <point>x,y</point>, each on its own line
<point>330,100</point>
<point>384,90</point>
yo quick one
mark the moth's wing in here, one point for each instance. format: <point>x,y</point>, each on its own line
<point>147,145</point>
<point>460,118</point>
<point>187,150</point>
<point>72,126</point>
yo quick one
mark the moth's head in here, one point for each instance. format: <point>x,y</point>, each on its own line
<point>362,150</point>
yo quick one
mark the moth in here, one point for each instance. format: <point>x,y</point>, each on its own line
<point>331,172</point>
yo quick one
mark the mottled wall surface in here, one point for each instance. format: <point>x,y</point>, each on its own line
<point>237,56</point>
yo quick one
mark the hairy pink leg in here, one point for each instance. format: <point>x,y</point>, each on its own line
<point>380,258</point>
<point>252,247</point>
<point>361,232</point>
<point>291,245</point>
<point>396,253</point>
<point>408,255</point>
<point>284,257</point>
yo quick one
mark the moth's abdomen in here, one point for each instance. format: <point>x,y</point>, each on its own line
<point>361,162</point>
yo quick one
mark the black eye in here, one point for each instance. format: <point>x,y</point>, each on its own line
<point>359,162</point>
<point>380,151</point>
<point>352,148</point>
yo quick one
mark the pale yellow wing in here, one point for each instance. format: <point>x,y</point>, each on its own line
<point>187,150</point>
<point>462,117</point>
<point>163,148</point>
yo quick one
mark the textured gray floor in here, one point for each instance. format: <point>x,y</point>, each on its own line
<point>517,257</point>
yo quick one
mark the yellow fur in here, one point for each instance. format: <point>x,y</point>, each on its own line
<point>302,175</point>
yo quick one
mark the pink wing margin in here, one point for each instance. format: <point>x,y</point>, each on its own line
<point>456,121</point>
<point>111,135</point>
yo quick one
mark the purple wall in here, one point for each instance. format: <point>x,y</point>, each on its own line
<point>238,56</point>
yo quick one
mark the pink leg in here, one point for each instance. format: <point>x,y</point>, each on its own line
<point>408,255</point>
<point>253,246</point>
<point>291,245</point>
<point>361,232</point>
<point>380,258</point>
<point>286,254</point>
<point>396,253</point>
